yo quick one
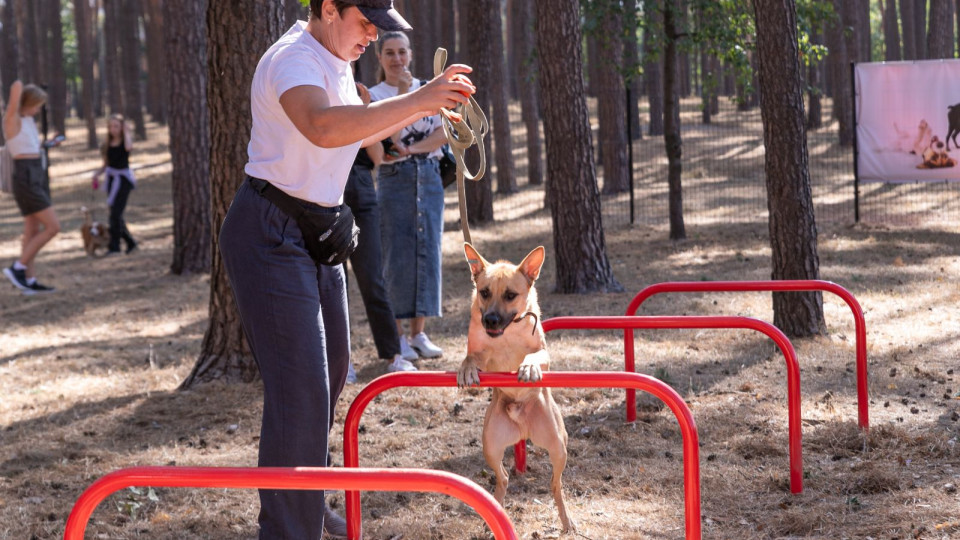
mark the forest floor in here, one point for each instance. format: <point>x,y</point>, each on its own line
<point>89,377</point>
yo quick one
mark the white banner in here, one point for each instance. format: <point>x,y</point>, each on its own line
<point>908,121</point>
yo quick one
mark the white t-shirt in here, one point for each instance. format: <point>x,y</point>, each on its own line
<point>278,152</point>
<point>416,131</point>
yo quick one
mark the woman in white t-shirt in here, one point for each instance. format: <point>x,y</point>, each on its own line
<point>410,193</point>
<point>308,123</point>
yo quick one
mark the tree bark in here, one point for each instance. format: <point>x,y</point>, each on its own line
<point>112,56</point>
<point>10,49</point>
<point>153,23</point>
<point>671,118</point>
<point>920,28</point>
<point>81,21</point>
<point>130,66</point>
<point>25,18</point>
<point>51,37</point>
<point>578,238</point>
<point>445,25</point>
<point>631,60</point>
<point>500,96</point>
<point>185,37</point>
<point>793,230</point>
<point>653,66</point>
<point>479,55</point>
<point>815,86</point>
<point>528,88</point>
<point>293,11</point>
<point>238,34</point>
<point>843,101</point>
<point>611,104</point>
<point>891,31</point>
<point>866,38</point>
<point>909,29</point>
<point>940,32</point>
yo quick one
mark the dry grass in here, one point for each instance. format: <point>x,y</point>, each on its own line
<point>88,378</point>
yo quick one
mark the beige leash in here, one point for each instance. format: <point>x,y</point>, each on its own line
<point>464,126</point>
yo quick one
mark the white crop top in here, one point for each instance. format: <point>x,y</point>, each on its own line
<point>27,141</point>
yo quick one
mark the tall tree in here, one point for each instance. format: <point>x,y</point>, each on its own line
<point>631,61</point>
<point>578,238</point>
<point>814,83</point>
<point>891,31</point>
<point>51,38</point>
<point>129,18</point>
<point>529,87</point>
<point>10,50</point>
<point>653,64</point>
<point>492,45</point>
<point>866,41</point>
<point>478,55</point>
<point>909,29</point>
<point>920,28</point>
<point>793,230</point>
<point>611,90</point>
<point>185,32</point>
<point>111,56</point>
<point>671,120</point>
<point>293,11</point>
<point>153,23</point>
<point>940,31</point>
<point>81,22</point>
<point>847,50</point>
<point>445,27</point>
<point>238,34</point>
<point>29,58</point>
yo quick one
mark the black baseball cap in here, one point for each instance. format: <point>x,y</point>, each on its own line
<point>381,14</point>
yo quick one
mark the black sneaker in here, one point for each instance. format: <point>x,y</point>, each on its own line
<point>38,288</point>
<point>18,278</point>
<point>131,248</point>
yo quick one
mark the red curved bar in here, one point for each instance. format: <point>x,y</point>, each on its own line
<point>292,478</point>
<point>691,322</point>
<point>788,285</point>
<point>688,428</point>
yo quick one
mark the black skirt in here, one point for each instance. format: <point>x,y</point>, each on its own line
<point>31,187</point>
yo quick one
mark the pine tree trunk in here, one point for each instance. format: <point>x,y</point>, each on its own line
<point>186,43</point>
<point>81,21</point>
<point>631,59</point>
<point>153,22</point>
<point>56,79</point>
<point>130,66</point>
<point>578,238</point>
<point>480,56</point>
<point>529,88</point>
<point>24,16</point>
<point>843,101</point>
<point>111,57</point>
<point>940,32</point>
<point>815,86</point>
<point>920,28</point>
<point>909,28</point>
<point>793,230</point>
<point>500,96</point>
<point>671,120</point>
<point>866,39</point>
<point>238,34</point>
<point>446,28</point>
<point>611,105</point>
<point>891,31</point>
<point>422,36</point>
<point>653,67</point>
<point>10,49</point>
<point>293,11</point>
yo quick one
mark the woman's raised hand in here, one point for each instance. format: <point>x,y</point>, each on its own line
<point>447,90</point>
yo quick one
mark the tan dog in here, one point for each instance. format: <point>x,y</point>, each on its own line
<point>95,235</point>
<point>505,335</point>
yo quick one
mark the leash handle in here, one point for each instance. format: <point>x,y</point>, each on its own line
<point>461,135</point>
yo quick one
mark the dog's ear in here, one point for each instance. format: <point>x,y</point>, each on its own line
<point>476,262</point>
<point>531,264</point>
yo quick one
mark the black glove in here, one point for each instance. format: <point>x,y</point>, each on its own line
<point>330,238</point>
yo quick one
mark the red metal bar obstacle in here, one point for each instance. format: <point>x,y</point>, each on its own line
<point>789,285</point>
<point>552,379</point>
<point>421,480</point>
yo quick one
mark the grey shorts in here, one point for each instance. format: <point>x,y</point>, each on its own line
<point>31,187</point>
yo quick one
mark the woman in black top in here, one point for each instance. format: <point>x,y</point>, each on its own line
<point>119,180</point>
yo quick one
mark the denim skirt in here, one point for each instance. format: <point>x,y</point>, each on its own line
<point>411,223</point>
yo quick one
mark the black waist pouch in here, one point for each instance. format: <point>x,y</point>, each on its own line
<point>330,236</point>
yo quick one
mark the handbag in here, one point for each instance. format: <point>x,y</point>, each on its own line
<point>448,166</point>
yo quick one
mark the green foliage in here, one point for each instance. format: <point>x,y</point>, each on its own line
<point>305,3</point>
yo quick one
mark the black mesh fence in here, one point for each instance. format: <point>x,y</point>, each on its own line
<point>724,179</point>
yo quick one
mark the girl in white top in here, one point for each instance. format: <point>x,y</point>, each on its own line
<point>31,187</point>
<point>308,123</point>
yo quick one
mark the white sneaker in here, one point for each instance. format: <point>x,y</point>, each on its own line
<point>422,344</point>
<point>351,374</point>
<point>405,351</point>
<point>400,364</point>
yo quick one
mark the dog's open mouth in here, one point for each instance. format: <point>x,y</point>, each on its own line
<point>494,332</point>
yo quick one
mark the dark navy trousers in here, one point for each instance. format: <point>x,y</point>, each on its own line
<point>294,315</point>
<point>366,261</point>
